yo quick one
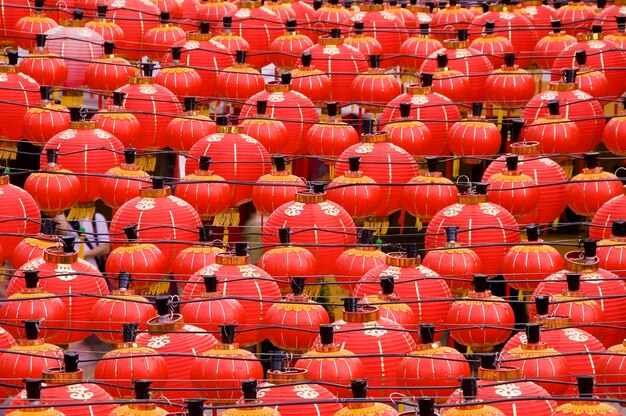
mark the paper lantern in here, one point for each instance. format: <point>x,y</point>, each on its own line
<point>231,41</point>
<point>42,122</point>
<point>275,188</point>
<point>364,404</point>
<point>191,259</point>
<point>108,29</point>
<point>31,25</point>
<point>417,48</point>
<point>493,45</point>
<point>270,132</point>
<point>576,16</point>
<point>311,82</point>
<point>364,43</point>
<point>513,190</point>
<point>548,47</point>
<point>33,247</point>
<point>450,19</point>
<point>45,67</point>
<point>119,121</point>
<point>142,406</point>
<point>510,86</point>
<point>184,131</point>
<point>289,46</point>
<point>611,372</point>
<point>450,82</point>
<point>135,17</point>
<point>585,406</point>
<point>354,262</point>
<point>331,15</point>
<point>474,136</point>
<point>555,133</point>
<point>391,307</point>
<point>373,89</point>
<point>123,183</point>
<point>237,83</point>
<point>183,81</point>
<point>332,136</point>
<point>610,250</point>
<point>20,212</point>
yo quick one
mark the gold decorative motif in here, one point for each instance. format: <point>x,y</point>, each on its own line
<point>296,307</point>
<point>370,409</point>
<point>585,408</point>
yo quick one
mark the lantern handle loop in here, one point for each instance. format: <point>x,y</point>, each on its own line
<point>619,170</point>
<point>83,112</point>
<point>464,180</point>
<point>174,301</point>
<point>400,397</point>
<point>61,5</point>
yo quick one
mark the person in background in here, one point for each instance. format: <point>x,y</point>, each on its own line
<point>96,237</point>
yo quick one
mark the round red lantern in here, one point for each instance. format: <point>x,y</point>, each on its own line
<point>431,369</point>
<point>354,262</point>
<point>219,371</point>
<point>205,191</point>
<point>122,183</point>
<point>191,259</point>
<point>611,250</point>
<point>183,81</point>
<point>168,333</point>
<point>157,205</point>
<point>403,13</point>
<point>130,361</point>
<point>605,216</point>
<point>43,66</point>
<point>270,132</point>
<point>29,26</point>
<point>527,264</point>
<point>214,309</point>
<point>109,72</point>
<point>576,16</point>
<point>417,48</point>
<point>42,122</point>
<point>450,19</point>
<point>483,320</point>
<point>249,388</point>
<point>555,133</point>
<point>513,190</point>
<point>311,218</point>
<point>329,16</point>
<point>85,149</point>
<point>417,285</point>
<point>332,136</point>
<point>286,261</point>
<point>119,122</point>
<point>288,47</point>
<point>476,217</point>
<point>549,46</point>
<point>537,360</point>
<point>612,135</point>
<point>53,188</point>
<point>590,80</point>
<point>309,81</point>
<point>364,405</point>
<point>184,131</point>
<point>22,215</point>
<point>32,303</point>
<point>586,406</point>
<point>158,40</point>
<point>618,36</point>
<point>450,82</point>
<point>341,62</point>
<point>33,247</point>
<point>237,83</point>
<point>610,371</point>
<point>590,189</point>
<point>329,362</point>
<point>437,112</point>
<point>455,262</point>
<point>541,15</point>
<point>471,404</point>
<point>275,188</point>
<point>391,307</point>
<point>291,323</point>
<point>28,358</point>
<point>108,29</point>
<point>135,17</point>
<point>213,11</point>
<point>373,89</point>
<point>474,136</point>
<point>493,45</point>
<point>33,394</point>
<point>510,86</point>
<point>366,44</point>
<point>240,278</point>
<point>231,41</point>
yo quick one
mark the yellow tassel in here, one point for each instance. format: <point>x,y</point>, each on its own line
<point>469,350</point>
<point>228,218</point>
<point>72,98</point>
<point>158,288</point>
<point>568,167</point>
<point>313,291</point>
<point>418,223</point>
<point>379,225</point>
<point>147,163</point>
<point>456,167</point>
<point>521,295</point>
<point>8,150</point>
<point>82,212</point>
<point>331,171</point>
<point>500,113</point>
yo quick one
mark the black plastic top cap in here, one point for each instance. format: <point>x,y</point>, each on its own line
<point>452,233</point>
<point>241,249</point>
<point>469,388</point>
<point>374,61</point>
<point>405,110</point>
<point>45,92</point>
<point>332,108</point>
<point>157,182</point>
<point>280,163</point>
<point>591,159</point>
<point>261,107</point>
<point>488,361</point>
<point>108,47</point>
<point>130,232</point>
<point>368,126</point>
<point>32,278</point>
<point>249,389</point>
<point>284,235</point>
<point>509,59</point>
<point>596,29</point>
<point>621,22</point>
<point>118,100</point>
<point>48,227</point>
<point>204,163</point>
<point>195,407</point>
<point>162,305</point>
<point>533,333</point>
<point>517,124</point>
<point>123,280</point>
<point>432,163</point>
<point>618,229</point>
<point>204,233</point>
<point>285,78</point>
<point>553,107</point>
<point>411,251</point>
<point>573,281</point>
<point>490,25</point>
<point>317,4</point>
<point>511,162</point>
<point>12,56</point>
<point>148,68</point>
<point>481,188</point>
<point>350,304</point>
<point>590,247</point>
<point>39,4</point>
<point>359,388</point>
<point>70,361</point>
<point>427,79</point>
<point>129,332</point>
<point>51,155</point>
<point>142,389</point>
<point>306,59</point>
<point>297,285</point>
<point>387,284</point>
<point>319,187</point>
<point>358,27</point>
<point>210,283</point>
<point>569,75</point>
<point>240,57</point>
<point>542,304</point>
<point>585,386</point>
<point>366,236</point>
<point>204,27</point>
<point>462,34</point>
<point>227,22</point>
<point>426,406</point>
<point>427,333</point>
<point>532,232</point>
<point>176,52</point>
<point>68,243</point>
<point>291,24</point>
<point>327,332</point>
<point>31,329</point>
<point>277,361</point>
<point>477,109</point>
<point>102,10</point>
<point>164,17</point>
<point>33,388</point>
<point>556,25</point>
<point>480,283</point>
<point>221,120</point>
<point>77,14</point>
<point>40,40</point>
<point>581,57</point>
<point>335,33</point>
<point>355,163</point>
<point>227,333</point>
<point>442,60</point>
<point>424,28</point>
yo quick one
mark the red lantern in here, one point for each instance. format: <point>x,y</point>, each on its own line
<point>312,208</point>
<point>475,216</point>
<point>12,12</point>
<point>431,370</point>
<point>42,122</point>
<point>428,193</point>
<point>527,264</point>
<point>270,132</point>
<point>231,41</point>
<point>65,386</point>
<point>144,261</point>
<point>173,7</point>
<point>213,11</point>
<point>130,361</point>
<point>85,149</point>
<point>240,278</point>
<point>354,262</point>
<point>183,81</point>
<point>157,205</point>
<point>586,407</point>
<point>304,15</point>
<point>329,362</point>
<point>296,111</point>
<point>135,17</point>
<point>68,274</point>
<point>471,405</point>
<point>387,164</point>
<point>22,215</point>
<point>282,9</point>
<point>259,25</point>
<point>239,82</point>
<point>493,45</point>
<point>590,80</point>
<point>205,191</point>
<point>123,183</point>
<point>43,66</point>
<point>184,131</point>
<point>612,135</point>
<point>576,16</point>
<point>168,333</point>
<point>286,261</point>
<point>356,193</point>
<point>590,189</point>
<point>611,250</point>
<point>450,19</point>
<point>540,15</point>
<point>218,372</point>
<point>610,371</point>
<point>229,150</point>
<point>449,82</point>
<point>332,136</point>
<point>537,360</point>
<point>276,188</point>
<point>289,46</point>
<point>330,16</point>
<point>455,262</point>
<point>551,178</point>
<point>549,46</point>
<point>374,88</point>
<point>28,358</point>
<point>32,247</point>
<point>309,81</point>
<point>601,54</point>
<point>510,86</point>
<point>153,105</point>
<point>366,44</point>
<point>341,62</point>
<point>484,320</point>
<point>191,259</point>
<point>617,36</point>
<point>555,133</point>
<point>474,136</point>
<point>417,48</point>
<point>31,303</point>
<point>423,289</point>
<point>29,26</point>
<point>390,306</point>
<point>605,216</point>
<point>363,404</point>
<point>108,29</point>
<point>437,112</point>
<point>290,324</point>
<point>513,190</point>
<point>77,44</point>
<point>214,309</point>
<point>408,18</point>
<point>118,121</point>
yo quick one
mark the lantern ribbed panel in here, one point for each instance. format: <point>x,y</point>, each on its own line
<point>455,263</point>
<point>612,256</point>
<point>207,198</point>
<point>555,134</point>
<point>122,184</point>
<point>157,42</point>
<point>592,81</point>
<point>45,67</point>
<point>584,312</point>
<point>213,11</point>
<point>110,313</point>
<point>373,89</point>
<point>601,223</point>
<point>274,189</point>
<point>610,370</point>
<point>192,259</point>
<point>270,393</point>
<point>540,15</point>
<point>106,28</point>
<point>213,311</point>
<point>525,265</point>
<point>31,248</point>
<point>27,359</point>
<point>32,304</point>
<point>173,7</point>
<point>287,48</point>
<point>232,42</point>
<point>356,193</point>
<point>614,133</point>
<point>415,50</point>
<point>127,13</point>
<point>353,263</point>
<point>311,82</point>
<point>510,87</point>
<point>271,133</point>
<point>330,138</point>
<point>548,48</point>
<point>184,131</point>
<point>392,308</point>
<point>29,26</point>
<point>12,12</point>
<point>237,83</point>
<point>54,190</point>
<point>544,363</point>
<point>452,84</point>
<point>576,17</point>
<point>120,123</point>
<point>589,190</point>
<point>494,46</point>
<point>428,193</point>
<point>182,81</point>
<point>146,263</point>
<point>42,122</point>
<point>19,91</point>
<point>108,73</point>
<point>284,262</point>
<point>365,44</point>
<point>329,16</point>
<point>514,191</point>
<point>20,216</point>
<point>447,21</point>
<point>259,25</point>
<point>474,136</point>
